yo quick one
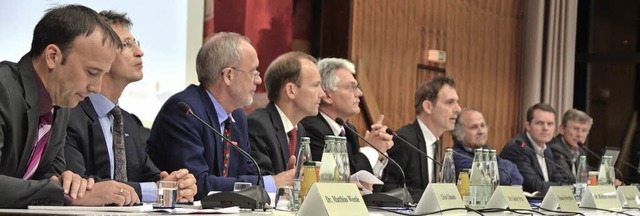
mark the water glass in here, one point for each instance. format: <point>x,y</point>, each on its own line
<point>167,194</point>
<point>284,199</point>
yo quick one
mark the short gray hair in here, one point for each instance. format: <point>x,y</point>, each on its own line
<point>576,115</point>
<point>328,67</point>
<point>219,51</point>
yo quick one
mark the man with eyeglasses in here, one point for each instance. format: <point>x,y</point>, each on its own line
<point>103,140</point>
<point>293,88</point>
<point>226,67</point>
<point>342,100</point>
<point>574,128</point>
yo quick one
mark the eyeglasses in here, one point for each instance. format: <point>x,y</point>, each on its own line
<point>130,43</point>
<point>254,74</point>
<point>353,88</point>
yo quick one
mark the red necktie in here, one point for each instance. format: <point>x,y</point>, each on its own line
<point>293,140</point>
<point>227,152</point>
<point>44,133</point>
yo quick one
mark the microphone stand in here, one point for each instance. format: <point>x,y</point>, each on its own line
<point>254,197</point>
<point>398,197</point>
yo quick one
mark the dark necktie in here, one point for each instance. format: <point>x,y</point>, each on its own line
<point>42,138</point>
<point>227,151</point>
<point>119,154</point>
<point>436,156</point>
<point>293,140</point>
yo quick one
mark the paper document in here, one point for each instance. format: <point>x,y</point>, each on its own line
<point>365,176</point>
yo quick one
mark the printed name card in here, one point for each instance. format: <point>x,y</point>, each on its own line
<point>560,197</point>
<point>628,196</point>
<point>446,196</point>
<point>508,197</point>
<point>601,196</point>
<point>333,199</point>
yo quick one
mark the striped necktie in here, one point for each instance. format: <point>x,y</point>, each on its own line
<point>42,139</point>
<point>227,151</point>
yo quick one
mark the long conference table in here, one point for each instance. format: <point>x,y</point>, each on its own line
<point>242,212</point>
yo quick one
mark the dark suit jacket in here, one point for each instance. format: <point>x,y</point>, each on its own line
<point>317,128</point>
<point>563,155</point>
<point>269,145</point>
<point>528,164</point>
<point>180,141</point>
<point>19,117</point>
<point>414,165</point>
<point>86,150</point>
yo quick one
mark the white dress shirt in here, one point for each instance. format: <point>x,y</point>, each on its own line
<point>430,145</point>
<point>541,160</point>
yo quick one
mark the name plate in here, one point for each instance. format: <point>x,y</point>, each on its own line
<point>446,196</point>
<point>601,196</point>
<point>508,197</point>
<point>628,196</point>
<point>560,197</point>
<point>333,199</point>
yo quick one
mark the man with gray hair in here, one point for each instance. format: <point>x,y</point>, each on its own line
<point>471,132</point>
<point>226,66</point>
<point>574,129</point>
<point>342,100</point>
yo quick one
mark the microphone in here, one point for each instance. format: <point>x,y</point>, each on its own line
<point>572,178</point>
<point>391,132</point>
<point>398,197</point>
<point>581,145</point>
<point>254,197</point>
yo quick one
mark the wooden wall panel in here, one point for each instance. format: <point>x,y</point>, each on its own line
<point>388,40</point>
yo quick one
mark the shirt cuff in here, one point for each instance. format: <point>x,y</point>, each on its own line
<point>371,154</point>
<point>379,167</point>
<point>149,191</point>
<point>269,184</point>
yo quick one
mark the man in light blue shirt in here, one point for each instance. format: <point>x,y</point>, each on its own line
<point>104,141</point>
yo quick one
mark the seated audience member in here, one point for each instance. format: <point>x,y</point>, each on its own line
<point>470,133</point>
<point>436,105</point>
<point>574,128</point>
<point>72,48</point>
<point>342,100</point>
<point>293,88</point>
<point>226,66</point>
<point>102,139</point>
<point>529,150</point>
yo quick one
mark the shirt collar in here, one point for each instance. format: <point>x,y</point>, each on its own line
<point>285,121</point>
<point>335,127</point>
<point>101,104</point>
<point>221,114</point>
<point>429,138</point>
<point>44,100</point>
<point>536,146</point>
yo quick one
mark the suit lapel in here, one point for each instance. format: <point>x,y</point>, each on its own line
<point>281,135</point>
<point>424,165</point>
<point>218,144</point>
<point>28,77</point>
<point>98,145</point>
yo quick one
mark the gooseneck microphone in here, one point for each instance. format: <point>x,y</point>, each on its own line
<point>572,178</point>
<point>252,198</point>
<point>398,197</point>
<point>393,133</point>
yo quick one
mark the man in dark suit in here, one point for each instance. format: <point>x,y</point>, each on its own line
<point>436,104</point>
<point>67,61</point>
<point>342,100</point>
<point>470,133</point>
<point>226,66</point>
<point>527,149</point>
<point>91,148</point>
<point>574,128</point>
<point>293,88</point>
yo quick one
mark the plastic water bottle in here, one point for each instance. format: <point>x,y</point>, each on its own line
<point>606,175</point>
